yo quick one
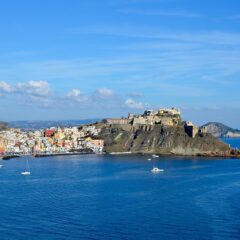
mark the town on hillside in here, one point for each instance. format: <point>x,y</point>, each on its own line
<point>52,140</point>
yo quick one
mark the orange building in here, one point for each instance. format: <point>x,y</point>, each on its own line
<point>2,150</point>
<point>98,142</point>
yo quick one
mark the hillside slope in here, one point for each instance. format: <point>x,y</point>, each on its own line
<point>160,139</point>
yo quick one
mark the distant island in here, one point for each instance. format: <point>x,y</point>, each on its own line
<point>153,132</point>
<point>220,130</point>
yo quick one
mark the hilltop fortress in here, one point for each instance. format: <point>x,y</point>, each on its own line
<point>170,117</point>
<point>164,116</point>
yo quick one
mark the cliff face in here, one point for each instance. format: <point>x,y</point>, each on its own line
<point>221,130</point>
<point>159,139</point>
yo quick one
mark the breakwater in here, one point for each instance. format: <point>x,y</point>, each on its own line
<point>60,154</point>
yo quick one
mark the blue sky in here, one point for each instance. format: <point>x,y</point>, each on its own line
<point>90,59</point>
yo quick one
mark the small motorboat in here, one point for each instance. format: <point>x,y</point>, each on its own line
<point>149,159</point>
<point>155,156</point>
<point>157,170</point>
<point>26,173</point>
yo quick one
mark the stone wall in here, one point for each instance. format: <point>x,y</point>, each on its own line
<point>118,121</point>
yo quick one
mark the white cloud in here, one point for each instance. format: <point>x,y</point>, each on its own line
<point>39,100</point>
<point>130,103</point>
<point>76,95</point>
<point>104,92</point>
<point>35,93</point>
<point>5,87</point>
<point>35,88</point>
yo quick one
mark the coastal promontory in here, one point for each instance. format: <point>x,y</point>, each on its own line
<point>160,132</point>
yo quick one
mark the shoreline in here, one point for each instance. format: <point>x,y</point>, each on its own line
<point>200,155</point>
<point>39,155</point>
<point>120,153</point>
<point>235,155</point>
<point>8,157</point>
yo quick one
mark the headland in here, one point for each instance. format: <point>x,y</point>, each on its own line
<point>161,132</point>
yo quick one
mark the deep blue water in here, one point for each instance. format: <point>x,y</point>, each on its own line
<point>234,142</point>
<point>117,197</point>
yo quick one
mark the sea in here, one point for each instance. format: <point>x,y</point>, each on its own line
<point>118,197</point>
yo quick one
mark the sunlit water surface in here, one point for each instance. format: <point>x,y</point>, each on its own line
<point>117,197</point>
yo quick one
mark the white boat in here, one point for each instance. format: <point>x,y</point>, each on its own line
<point>149,159</point>
<point>157,170</point>
<point>27,172</point>
<point>155,156</point>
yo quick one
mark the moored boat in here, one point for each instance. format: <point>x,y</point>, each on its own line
<point>157,170</point>
<point>26,173</point>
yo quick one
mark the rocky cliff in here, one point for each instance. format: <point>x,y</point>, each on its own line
<point>159,139</point>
